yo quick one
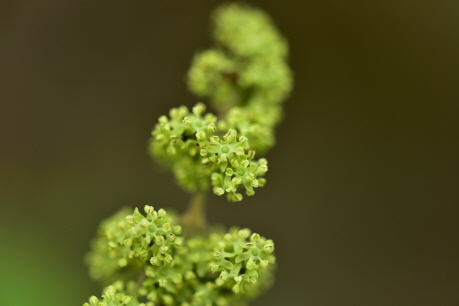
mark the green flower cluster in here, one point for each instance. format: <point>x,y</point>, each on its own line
<point>174,270</point>
<point>245,76</point>
<point>188,142</point>
<point>146,260</point>
<point>126,240</point>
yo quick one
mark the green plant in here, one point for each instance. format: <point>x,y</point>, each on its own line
<point>159,258</point>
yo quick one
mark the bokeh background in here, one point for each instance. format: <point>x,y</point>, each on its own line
<point>362,194</point>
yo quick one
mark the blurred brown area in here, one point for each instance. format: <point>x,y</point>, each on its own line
<point>362,194</point>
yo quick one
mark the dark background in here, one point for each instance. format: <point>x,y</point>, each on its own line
<point>362,193</point>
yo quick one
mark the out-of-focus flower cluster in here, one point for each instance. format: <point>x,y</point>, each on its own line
<point>245,77</point>
<point>215,269</point>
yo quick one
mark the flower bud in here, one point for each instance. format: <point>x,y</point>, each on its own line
<point>200,135</point>
<point>154,261</point>
<point>223,275</point>
<point>214,267</point>
<point>264,263</point>
<point>130,219</point>
<point>94,300</point>
<point>268,248</point>
<point>199,109</point>
<point>143,253</point>
<point>218,191</point>
<point>110,292</point>
<point>127,242</point>
<point>217,255</point>
<point>244,233</point>
<point>177,229</point>
<point>162,213</point>
<point>159,240</point>
<point>148,209</point>
<point>126,299</point>
<point>186,121</point>
<point>166,227</point>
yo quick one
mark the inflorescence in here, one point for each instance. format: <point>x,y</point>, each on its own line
<point>146,259</point>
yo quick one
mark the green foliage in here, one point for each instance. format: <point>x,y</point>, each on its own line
<point>147,260</point>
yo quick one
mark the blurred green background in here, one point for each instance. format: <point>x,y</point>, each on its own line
<point>362,194</point>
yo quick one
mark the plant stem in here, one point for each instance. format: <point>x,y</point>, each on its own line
<point>194,219</point>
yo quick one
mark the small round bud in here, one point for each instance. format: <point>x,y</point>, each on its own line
<point>130,219</point>
<point>162,213</point>
<point>186,121</point>
<point>217,255</point>
<point>268,248</point>
<point>112,245</point>
<point>231,188</point>
<point>127,242</point>
<point>211,127</point>
<point>240,151</point>
<point>229,171</point>
<point>238,279</point>
<point>255,237</point>
<point>166,227</point>
<point>159,240</point>
<point>218,191</point>
<point>200,135</point>
<point>148,209</point>
<point>168,300</point>
<point>214,267</point>
<point>242,139</point>
<point>143,253</point>
<point>94,300</point>
<point>250,264</point>
<point>199,108</point>
<point>163,119</point>
<point>264,263</point>
<point>126,299</point>
<point>250,245</point>
<point>177,278</point>
<point>244,233</point>
<point>177,229</point>
<point>223,275</point>
<point>110,292</point>
<point>189,275</point>
<point>171,237</point>
<point>154,261</point>
<point>122,262</point>
<point>167,258</point>
<point>162,282</point>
